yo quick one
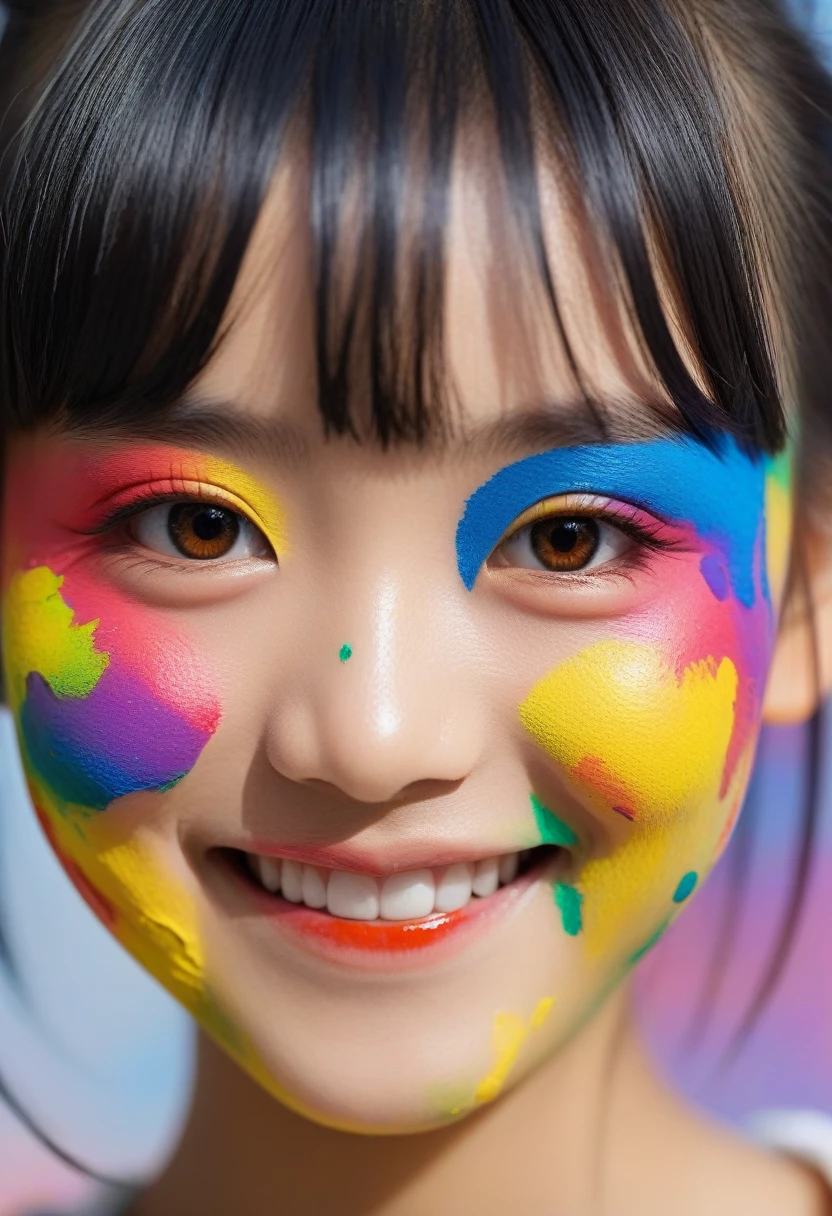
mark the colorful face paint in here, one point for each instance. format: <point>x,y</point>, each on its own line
<point>656,725</point>
<point>91,725</point>
<point>510,1032</point>
<point>109,698</point>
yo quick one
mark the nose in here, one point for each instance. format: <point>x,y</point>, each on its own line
<point>384,705</point>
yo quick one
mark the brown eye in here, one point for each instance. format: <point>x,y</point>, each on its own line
<point>564,544</point>
<point>200,531</point>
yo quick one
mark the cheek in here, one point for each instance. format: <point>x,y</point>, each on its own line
<point>625,727</point>
<point>108,700</point>
<point>656,728</point>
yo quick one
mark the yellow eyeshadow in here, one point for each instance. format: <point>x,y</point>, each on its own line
<point>561,504</point>
<point>252,496</point>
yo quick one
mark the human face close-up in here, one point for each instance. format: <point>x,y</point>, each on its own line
<point>392,763</point>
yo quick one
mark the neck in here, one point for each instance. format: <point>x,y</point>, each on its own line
<point>545,1140</point>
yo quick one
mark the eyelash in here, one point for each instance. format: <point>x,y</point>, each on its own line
<point>147,499</point>
<point>647,536</point>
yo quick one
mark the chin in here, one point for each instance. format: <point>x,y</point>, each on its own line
<point>392,1052</point>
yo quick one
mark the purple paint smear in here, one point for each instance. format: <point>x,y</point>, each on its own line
<point>716,576</point>
<point>119,739</point>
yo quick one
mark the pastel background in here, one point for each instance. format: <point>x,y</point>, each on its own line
<point>103,1058</point>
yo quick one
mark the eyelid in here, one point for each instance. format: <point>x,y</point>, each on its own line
<point>172,490</point>
<point>625,516</point>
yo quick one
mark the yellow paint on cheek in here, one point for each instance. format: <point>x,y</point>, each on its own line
<point>270,513</point>
<point>148,911</point>
<point>154,917</point>
<point>508,1036</point>
<point>632,734</point>
<point>541,1012</point>
<point>619,705</point>
<point>39,635</point>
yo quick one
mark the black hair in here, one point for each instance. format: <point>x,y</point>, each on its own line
<point>152,143</point>
<point>139,139</point>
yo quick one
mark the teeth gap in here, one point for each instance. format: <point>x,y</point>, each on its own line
<point>410,895</point>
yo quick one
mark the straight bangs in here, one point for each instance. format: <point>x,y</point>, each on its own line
<point>133,184</point>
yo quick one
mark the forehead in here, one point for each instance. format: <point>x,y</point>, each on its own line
<point>503,348</point>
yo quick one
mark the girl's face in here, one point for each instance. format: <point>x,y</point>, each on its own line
<point>391,765</point>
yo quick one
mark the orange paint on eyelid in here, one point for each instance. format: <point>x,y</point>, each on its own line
<point>166,470</point>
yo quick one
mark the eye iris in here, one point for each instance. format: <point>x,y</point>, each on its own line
<point>202,531</point>
<point>565,544</point>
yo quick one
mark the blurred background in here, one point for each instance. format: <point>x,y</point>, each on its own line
<point>103,1059</point>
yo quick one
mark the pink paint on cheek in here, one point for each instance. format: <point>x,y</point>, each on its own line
<point>151,708</point>
<point>697,622</point>
<point>143,646</point>
<point>140,724</point>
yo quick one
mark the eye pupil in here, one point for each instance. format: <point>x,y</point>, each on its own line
<point>564,536</point>
<point>566,543</point>
<point>203,531</point>
<point>209,523</point>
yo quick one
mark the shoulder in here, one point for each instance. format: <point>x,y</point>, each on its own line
<point>783,1166</point>
<point>802,1134</point>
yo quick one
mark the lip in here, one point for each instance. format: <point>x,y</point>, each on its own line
<point>379,945</point>
<point>378,861</point>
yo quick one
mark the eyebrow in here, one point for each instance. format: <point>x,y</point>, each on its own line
<point>228,426</point>
<point>214,424</point>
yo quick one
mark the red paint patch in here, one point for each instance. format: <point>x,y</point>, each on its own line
<point>728,826</point>
<point>594,773</point>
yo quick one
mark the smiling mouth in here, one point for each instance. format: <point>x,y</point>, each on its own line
<point>416,899</point>
<point>392,922</point>
<point>403,896</point>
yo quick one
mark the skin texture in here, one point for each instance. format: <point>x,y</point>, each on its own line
<point>483,708</point>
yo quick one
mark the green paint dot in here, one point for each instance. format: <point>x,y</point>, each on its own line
<point>569,900</point>
<point>685,887</point>
<point>345,652</point>
<point>552,830</point>
<point>651,941</point>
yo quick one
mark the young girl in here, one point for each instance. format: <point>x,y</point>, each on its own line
<point>414,420</point>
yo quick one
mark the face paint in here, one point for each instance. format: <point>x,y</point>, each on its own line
<point>109,698</point>
<point>92,726</point>
<point>656,724</point>
<point>673,478</point>
<point>510,1031</point>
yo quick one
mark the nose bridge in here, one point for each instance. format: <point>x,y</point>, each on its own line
<point>392,679</point>
<point>384,705</point>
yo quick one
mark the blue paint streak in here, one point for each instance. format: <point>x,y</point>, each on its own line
<point>720,492</point>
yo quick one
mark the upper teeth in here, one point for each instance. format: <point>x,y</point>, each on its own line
<point>405,896</point>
